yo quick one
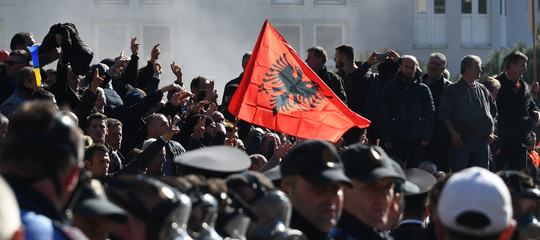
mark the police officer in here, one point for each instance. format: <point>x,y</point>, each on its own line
<point>158,211</point>
<point>271,207</point>
<point>313,178</point>
<point>207,168</point>
<point>368,203</point>
<point>93,213</point>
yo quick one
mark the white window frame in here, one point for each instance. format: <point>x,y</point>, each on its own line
<point>300,34</point>
<point>430,28</point>
<point>503,18</point>
<point>97,34</point>
<point>330,64</point>
<point>477,22</point>
<point>287,2</point>
<point>329,2</point>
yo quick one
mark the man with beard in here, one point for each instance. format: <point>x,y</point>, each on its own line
<point>407,114</point>
<point>357,83</point>
<point>468,111</point>
<point>357,78</point>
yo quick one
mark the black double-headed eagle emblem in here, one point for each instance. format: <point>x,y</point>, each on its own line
<point>287,92</point>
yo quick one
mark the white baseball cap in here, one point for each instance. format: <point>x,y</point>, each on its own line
<point>475,202</point>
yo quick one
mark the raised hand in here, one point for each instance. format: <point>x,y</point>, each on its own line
<point>180,97</point>
<point>172,130</point>
<point>157,69</point>
<point>199,129</point>
<point>281,149</point>
<point>135,46</point>
<point>199,106</point>
<point>155,53</point>
<point>210,91</point>
<point>170,87</point>
<point>177,72</point>
<point>96,81</point>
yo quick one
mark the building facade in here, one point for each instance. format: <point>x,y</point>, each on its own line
<point>209,37</point>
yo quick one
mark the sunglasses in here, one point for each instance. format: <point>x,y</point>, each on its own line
<point>11,63</point>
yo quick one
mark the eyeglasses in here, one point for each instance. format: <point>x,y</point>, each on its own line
<point>11,63</point>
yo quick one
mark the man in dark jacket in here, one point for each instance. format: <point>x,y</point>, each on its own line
<point>407,114</point>
<point>316,58</point>
<point>468,112</point>
<point>518,113</point>
<point>156,125</point>
<point>437,150</point>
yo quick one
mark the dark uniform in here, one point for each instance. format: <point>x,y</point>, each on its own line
<point>350,228</point>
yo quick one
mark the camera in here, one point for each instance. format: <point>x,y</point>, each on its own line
<point>382,57</point>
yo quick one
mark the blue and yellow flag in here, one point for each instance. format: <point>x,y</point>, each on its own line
<point>35,61</point>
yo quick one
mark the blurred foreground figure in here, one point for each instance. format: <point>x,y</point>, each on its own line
<point>474,204</point>
<point>93,213</point>
<point>41,158</point>
<point>158,211</point>
<point>11,227</point>
<point>525,196</point>
<point>270,206</point>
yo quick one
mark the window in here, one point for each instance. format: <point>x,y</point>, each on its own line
<point>287,2</point>
<point>147,2</point>
<point>329,37</point>
<point>291,34</point>
<point>482,6</point>
<point>430,23</point>
<point>153,35</point>
<point>440,7</point>
<point>7,2</point>
<point>123,2</point>
<point>474,23</point>
<point>503,19</point>
<point>329,2</point>
<point>112,39</point>
<point>466,6</point>
<point>422,7</point>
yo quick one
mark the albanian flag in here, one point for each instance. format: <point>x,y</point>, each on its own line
<point>280,92</point>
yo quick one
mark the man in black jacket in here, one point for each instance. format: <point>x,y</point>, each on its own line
<point>407,114</point>
<point>518,113</point>
<point>316,58</point>
<point>437,150</point>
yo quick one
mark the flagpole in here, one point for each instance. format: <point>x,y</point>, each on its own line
<point>533,10</point>
<point>234,128</point>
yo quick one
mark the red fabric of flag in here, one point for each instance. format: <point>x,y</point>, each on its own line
<point>280,92</point>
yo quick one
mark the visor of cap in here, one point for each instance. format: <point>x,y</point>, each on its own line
<point>327,176</point>
<point>101,207</point>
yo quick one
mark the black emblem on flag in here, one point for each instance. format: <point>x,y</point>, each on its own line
<point>288,92</point>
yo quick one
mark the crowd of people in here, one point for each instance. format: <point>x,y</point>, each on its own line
<point>104,151</point>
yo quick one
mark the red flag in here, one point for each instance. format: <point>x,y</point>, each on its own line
<point>280,92</point>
